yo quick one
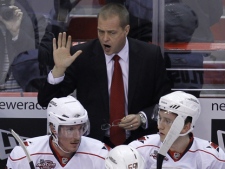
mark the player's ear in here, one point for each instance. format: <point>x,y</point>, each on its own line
<point>186,128</point>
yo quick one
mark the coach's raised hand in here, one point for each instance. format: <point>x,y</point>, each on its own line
<point>61,55</point>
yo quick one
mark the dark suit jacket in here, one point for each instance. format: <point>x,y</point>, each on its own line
<point>147,83</point>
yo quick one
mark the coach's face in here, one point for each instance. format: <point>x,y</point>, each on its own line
<point>111,34</point>
<point>70,137</point>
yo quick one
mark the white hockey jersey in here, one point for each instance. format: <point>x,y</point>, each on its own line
<point>201,154</point>
<point>90,155</point>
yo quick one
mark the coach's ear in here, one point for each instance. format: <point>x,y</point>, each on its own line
<point>127,29</point>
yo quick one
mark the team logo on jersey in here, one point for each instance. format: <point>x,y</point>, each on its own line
<point>154,155</point>
<point>176,156</point>
<point>46,164</point>
<point>65,160</point>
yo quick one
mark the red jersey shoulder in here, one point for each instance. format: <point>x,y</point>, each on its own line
<point>215,146</point>
<point>143,139</point>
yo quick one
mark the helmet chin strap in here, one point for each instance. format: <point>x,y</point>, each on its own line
<point>61,147</point>
<point>55,140</point>
<point>186,132</point>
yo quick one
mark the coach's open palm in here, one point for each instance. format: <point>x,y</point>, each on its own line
<point>61,54</point>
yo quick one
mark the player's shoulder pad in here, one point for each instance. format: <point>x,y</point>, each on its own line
<point>207,146</point>
<point>145,140</point>
<point>17,153</point>
<point>93,145</point>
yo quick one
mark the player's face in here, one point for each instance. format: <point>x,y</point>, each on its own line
<point>70,137</point>
<point>165,120</point>
<point>111,35</point>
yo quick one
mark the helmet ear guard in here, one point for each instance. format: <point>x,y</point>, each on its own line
<point>124,157</point>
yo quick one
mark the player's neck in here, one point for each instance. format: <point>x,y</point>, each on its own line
<point>180,144</point>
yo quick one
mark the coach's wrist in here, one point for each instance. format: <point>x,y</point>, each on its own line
<point>143,120</point>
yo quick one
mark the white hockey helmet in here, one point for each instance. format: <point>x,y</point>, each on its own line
<point>124,157</point>
<point>182,104</point>
<point>67,111</point>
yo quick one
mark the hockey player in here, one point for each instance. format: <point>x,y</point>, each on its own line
<point>65,147</point>
<point>187,151</point>
<point>124,157</point>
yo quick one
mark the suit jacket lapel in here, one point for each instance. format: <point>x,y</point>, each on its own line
<point>99,67</point>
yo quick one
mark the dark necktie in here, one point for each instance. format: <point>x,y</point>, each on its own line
<point>117,103</point>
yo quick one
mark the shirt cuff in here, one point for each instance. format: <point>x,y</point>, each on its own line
<point>53,80</point>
